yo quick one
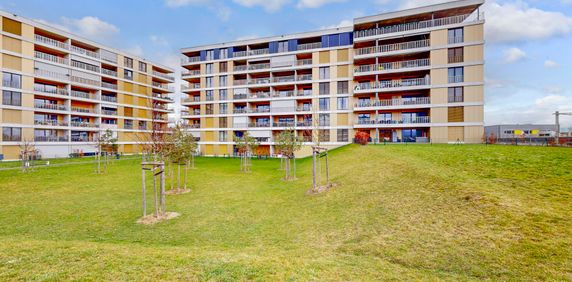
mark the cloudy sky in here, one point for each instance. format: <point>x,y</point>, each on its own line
<point>528,53</point>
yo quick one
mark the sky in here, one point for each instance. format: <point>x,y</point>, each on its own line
<point>528,42</point>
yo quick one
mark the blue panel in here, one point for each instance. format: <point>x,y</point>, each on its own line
<point>325,42</point>
<point>216,54</point>
<point>203,55</point>
<point>230,50</point>
<point>334,40</point>
<point>345,38</point>
<point>292,45</point>
<point>273,46</point>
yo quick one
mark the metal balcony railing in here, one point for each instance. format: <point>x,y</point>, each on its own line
<point>393,66</point>
<point>48,41</point>
<point>50,122</point>
<point>109,72</point>
<point>191,59</point>
<point>84,51</point>
<point>393,47</point>
<point>51,74</point>
<point>48,106</point>
<point>82,110</point>
<point>309,46</point>
<point>51,138</point>
<point>163,75</point>
<point>88,81</point>
<point>50,57</point>
<point>109,99</point>
<point>50,89</point>
<point>415,120</point>
<point>410,82</point>
<point>394,102</point>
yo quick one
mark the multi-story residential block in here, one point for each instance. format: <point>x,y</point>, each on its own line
<point>408,76</point>
<point>59,91</point>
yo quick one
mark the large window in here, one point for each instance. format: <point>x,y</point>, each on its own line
<point>222,136</point>
<point>325,73</point>
<point>128,124</point>
<point>223,80</point>
<point>209,68</point>
<point>455,95</point>
<point>324,135</point>
<point>142,67</point>
<point>223,108</point>
<point>223,67</point>
<point>210,55</point>
<point>456,75</point>
<point>343,87</point>
<point>324,104</point>
<point>12,80</point>
<point>127,74</point>
<point>455,55</point>
<point>283,46</point>
<point>209,81</point>
<point>223,95</point>
<point>209,95</point>
<point>11,134</point>
<point>209,109</point>
<point>128,62</point>
<point>343,103</point>
<point>343,135</point>
<point>223,53</point>
<point>456,35</point>
<point>222,122</point>
<point>11,98</point>
<point>324,88</point>
<point>324,119</point>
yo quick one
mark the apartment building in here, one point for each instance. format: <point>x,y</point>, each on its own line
<point>407,76</point>
<point>59,91</point>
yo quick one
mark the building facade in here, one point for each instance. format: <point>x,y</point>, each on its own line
<point>527,132</point>
<point>60,91</point>
<point>408,76</point>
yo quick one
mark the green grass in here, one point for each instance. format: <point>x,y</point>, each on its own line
<point>398,212</point>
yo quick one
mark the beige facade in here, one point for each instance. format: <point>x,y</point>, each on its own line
<point>60,91</point>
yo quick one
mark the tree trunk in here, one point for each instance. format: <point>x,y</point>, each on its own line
<point>294,160</point>
<point>287,169</point>
<point>186,172</point>
<point>171,175</point>
<point>156,205</point>
<point>314,170</point>
<point>178,176</point>
<point>144,192</point>
<point>98,159</point>
<point>163,200</point>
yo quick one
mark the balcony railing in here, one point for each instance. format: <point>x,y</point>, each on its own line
<point>240,96</point>
<point>456,79</point>
<point>109,72</point>
<point>86,81</point>
<point>282,94</point>
<point>51,138</point>
<point>284,124</point>
<point>50,57</point>
<point>48,106</point>
<point>259,66</point>
<point>83,110</point>
<point>393,47</point>
<point>163,86</point>
<point>109,85</point>
<point>410,82</point>
<point>163,75</point>
<point>259,124</point>
<point>81,94</point>
<point>109,99</point>
<point>50,89</point>
<point>83,124</point>
<point>304,77</point>
<point>265,80</point>
<point>50,122</point>
<point>83,51</point>
<point>309,46</point>
<point>190,59</point>
<point>304,108</point>
<point>394,102</point>
<point>108,112</point>
<point>304,93</point>
<point>48,41</point>
<point>282,79</point>
<point>51,74</point>
<point>191,73</point>
<point>239,54</point>
<point>393,66</point>
<point>82,139</point>
<point>415,120</point>
<point>412,26</point>
<point>257,52</point>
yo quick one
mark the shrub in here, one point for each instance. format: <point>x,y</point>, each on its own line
<point>362,138</point>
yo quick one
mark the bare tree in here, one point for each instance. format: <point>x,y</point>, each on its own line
<point>104,142</point>
<point>246,145</point>
<point>287,143</point>
<point>28,152</point>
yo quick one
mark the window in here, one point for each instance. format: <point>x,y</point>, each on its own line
<point>456,75</point>
<point>127,74</point>
<point>343,87</point>
<point>209,81</point>
<point>455,55</point>
<point>386,117</point>
<point>222,80</point>
<point>343,135</point>
<point>282,46</point>
<point>222,122</point>
<point>222,136</point>
<point>128,124</point>
<point>455,95</point>
<point>325,73</point>
<point>128,62</point>
<point>343,103</point>
<point>209,68</point>
<point>223,94</point>
<point>142,67</point>
<point>11,134</point>
<point>455,114</point>
<point>209,95</point>
<point>109,121</point>
<point>142,125</point>
<point>324,88</point>
<point>324,104</point>
<point>209,109</point>
<point>223,67</point>
<point>324,135</point>
<point>223,108</point>
<point>210,55</point>
<point>11,98</point>
<point>324,119</point>
<point>456,35</point>
<point>224,54</point>
<point>12,80</point>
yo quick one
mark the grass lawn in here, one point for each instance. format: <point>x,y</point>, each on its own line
<point>416,212</point>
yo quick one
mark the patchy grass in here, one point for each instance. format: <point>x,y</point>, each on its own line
<point>416,212</point>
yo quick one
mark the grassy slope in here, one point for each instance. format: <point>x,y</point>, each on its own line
<point>407,212</point>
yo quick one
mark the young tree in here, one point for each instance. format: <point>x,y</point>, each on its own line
<point>104,141</point>
<point>28,152</point>
<point>181,147</point>
<point>287,143</point>
<point>246,145</point>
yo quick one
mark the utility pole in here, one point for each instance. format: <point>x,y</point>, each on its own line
<point>557,115</point>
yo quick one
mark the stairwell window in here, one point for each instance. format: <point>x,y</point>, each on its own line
<point>456,75</point>
<point>343,135</point>
<point>128,62</point>
<point>455,94</point>
<point>12,80</point>
<point>456,35</point>
<point>324,88</point>
<point>11,98</point>
<point>12,134</point>
<point>343,103</point>
<point>325,73</point>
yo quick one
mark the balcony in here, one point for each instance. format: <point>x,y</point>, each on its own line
<point>265,80</point>
<point>84,95</point>
<point>84,66</point>
<point>284,124</point>
<point>304,77</point>
<point>50,122</point>
<point>259,66</point>
<point>191,60</point>
<point>305,108</point>
<point>48,106</point>
<point>239,54</point>
<point>392,66</point>
<point>163,86</point>
<point>415,26</point>
<point>191,73</point>
<point>83,124</point>
<point>305,123</point>
<point>83,139</point>
<point>163,75</point>
<point>109,85</point>
<point>260,95</point>
<point>283,79</point>
<point>309,46</point>
<point>49,57</point>
<point>388,84</point>
<point>259,124</point>
<point>111,99</point>
<point>52,42</point>
<point>258,52</point>
<point>307,92</point>
<point>51,74</point>
<point>51,138</point>
<point>108,112</point>
<point>50,89</point>
<point>415,120</point>
<point>82,51</point>
<point>109,72</point>
<point>457,79</point>
<point>83,110</point>
<point>283,94</point>
<point>240,68</point>
<point>87,81</point>
<point>393,102</point>
<point>240,96</point>
<point>392,47</point>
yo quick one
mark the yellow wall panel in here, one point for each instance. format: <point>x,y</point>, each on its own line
<point>11,116</point>
<point>439,96</point>
<point>474,114</point>
<point>439,76</point>
<point>438,115</point>
<point>343,119</point>
<point>474,33</point>
<point>439,57</point>
<point>324,57</point>
<point>473,94</point>
<point>11,44</point>
<point>11,26</point>
<point>474,73</point>
<point>343,71</point>
<point>456,133</point>
<point>343,55</point>
<point>11,62</point>
<point>473,53</point>
<point>439,134</point>
<point>439,37</point>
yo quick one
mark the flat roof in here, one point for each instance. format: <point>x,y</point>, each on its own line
<point>419,10</point>
<point>59,31</point>
<point>268,39</point>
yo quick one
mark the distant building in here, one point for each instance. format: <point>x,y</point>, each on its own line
<point>527,132</point>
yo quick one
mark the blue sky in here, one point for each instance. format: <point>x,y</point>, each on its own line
<point>528,58</point>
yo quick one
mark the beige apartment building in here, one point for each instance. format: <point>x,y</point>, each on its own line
<point>59,91</point>
<point>408,76</point>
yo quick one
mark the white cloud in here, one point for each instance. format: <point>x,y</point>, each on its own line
<point>247,37</point>
<point>268,5</point>
<point>553,89</point>
<point>316,3</point>
<point>343,23</point>
<point>222,11</point>
<point>91,27</point>
<point>408,4</point>
<point>538,112</point>
<point>159,41</point>
<point>550,64</point>
<point>136,50</point>
<point>181,3</point>
<point>513,55</point>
